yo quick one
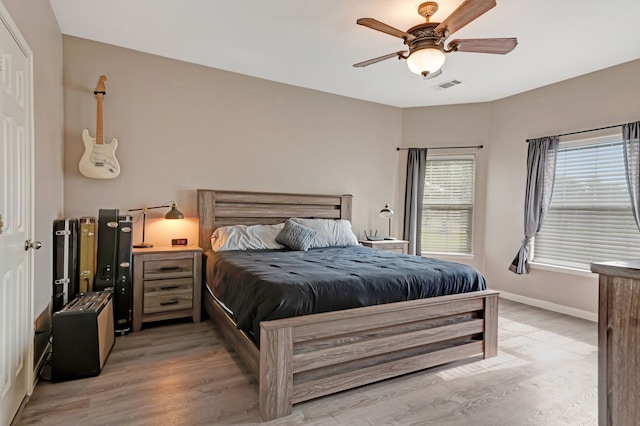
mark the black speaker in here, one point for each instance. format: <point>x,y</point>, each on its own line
<point>83,336</point>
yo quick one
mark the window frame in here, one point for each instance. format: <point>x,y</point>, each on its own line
<point>458,255</point>
<point>575,142</point>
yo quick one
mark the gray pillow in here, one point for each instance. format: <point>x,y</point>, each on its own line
<point>296,236</point>
<point>330,232</point>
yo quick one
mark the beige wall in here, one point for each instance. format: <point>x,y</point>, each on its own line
<point>599,99</point>
<point>454,125</point>
<point>40,29</point>
<point>182,126</point>
<point>286,139</point>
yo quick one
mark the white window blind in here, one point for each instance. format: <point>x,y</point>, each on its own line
<point>447,214</point>
<point>590,217</point>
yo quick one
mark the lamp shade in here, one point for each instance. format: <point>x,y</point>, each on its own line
<point>425,61</point>
<point>386,212</point>
<point>174,213</point>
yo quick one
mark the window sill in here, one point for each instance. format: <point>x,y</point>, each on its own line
<point>450,256</point>
<point>562,269</point>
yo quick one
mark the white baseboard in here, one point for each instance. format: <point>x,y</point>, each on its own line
<point>550,306</point>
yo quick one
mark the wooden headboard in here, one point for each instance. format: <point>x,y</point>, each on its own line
<point>222,208</point>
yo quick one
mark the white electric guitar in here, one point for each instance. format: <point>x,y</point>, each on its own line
<point>99,158</point>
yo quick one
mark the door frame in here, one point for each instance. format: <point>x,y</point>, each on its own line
<point>13,29</point>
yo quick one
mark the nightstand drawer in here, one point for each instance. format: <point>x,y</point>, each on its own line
<point>170,286</point>
<point>168,268</point>
<point>168,302</point>
<point>394,247</point>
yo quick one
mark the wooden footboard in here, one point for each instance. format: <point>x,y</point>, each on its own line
<point>310,356</point>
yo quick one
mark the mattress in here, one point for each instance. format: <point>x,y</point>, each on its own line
<point>262,285</point>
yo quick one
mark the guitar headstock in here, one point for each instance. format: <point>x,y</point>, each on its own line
<point>100,88</point>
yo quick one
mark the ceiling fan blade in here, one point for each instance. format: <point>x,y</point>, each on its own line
<point>398,55</point>
<point>465,13</point>
<point>382,27</point>
<point>498,46</point>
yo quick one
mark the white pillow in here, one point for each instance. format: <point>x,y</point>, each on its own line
<point>243,237</point>
<point>330,232</point>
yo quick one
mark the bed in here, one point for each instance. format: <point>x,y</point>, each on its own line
<point>309,356</point>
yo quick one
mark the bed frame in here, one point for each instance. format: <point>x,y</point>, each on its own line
<point>310,356</point>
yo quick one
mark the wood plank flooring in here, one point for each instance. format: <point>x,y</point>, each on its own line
<point>185,374</point>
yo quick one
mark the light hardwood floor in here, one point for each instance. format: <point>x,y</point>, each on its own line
<point>185,374</point>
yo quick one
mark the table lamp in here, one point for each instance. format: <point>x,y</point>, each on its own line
<point>387,213</point>
<point>174,213</point>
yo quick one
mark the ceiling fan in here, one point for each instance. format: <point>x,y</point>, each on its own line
<point>426,41</point>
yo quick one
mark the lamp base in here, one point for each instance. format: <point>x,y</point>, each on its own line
<point>143,245</point>
<point>390,238</point>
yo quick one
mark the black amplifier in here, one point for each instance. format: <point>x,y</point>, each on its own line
<point>83,336</point>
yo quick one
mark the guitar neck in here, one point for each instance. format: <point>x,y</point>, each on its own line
<point>99,129</point>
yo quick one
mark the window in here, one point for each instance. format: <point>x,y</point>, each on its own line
<point>447,214</point>
<point>590,217</point>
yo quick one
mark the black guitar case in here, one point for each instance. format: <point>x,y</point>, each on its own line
<point>65,262</point>
<point>107,255</point>
<point>123,290</point>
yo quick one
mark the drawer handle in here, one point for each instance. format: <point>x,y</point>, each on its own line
<point>171,302</point>
<point>169,287</point>
<point>170,268</point>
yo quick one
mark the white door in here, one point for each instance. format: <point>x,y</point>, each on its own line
<point>16,263</point>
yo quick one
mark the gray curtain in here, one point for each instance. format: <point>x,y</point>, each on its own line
<point>413,198</point>
<point>541,170</point>
<point>631,149</point>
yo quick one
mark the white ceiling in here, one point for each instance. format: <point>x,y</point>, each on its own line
<point>314,43</point>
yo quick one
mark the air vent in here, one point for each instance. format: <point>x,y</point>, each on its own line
<point>446,85</point>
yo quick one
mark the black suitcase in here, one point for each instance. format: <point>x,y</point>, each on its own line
<point>123,290</point>
<point>107,255</point>
<point>65,262</point>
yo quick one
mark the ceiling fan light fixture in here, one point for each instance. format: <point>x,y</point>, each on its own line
<point>426,61</point>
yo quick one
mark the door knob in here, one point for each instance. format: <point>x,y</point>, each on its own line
<point>32,245</point>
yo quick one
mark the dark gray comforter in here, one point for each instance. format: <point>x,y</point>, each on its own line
<point>272,284</point>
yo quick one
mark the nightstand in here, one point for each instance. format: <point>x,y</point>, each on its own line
<point>396,246</point>
<point>167,283</point>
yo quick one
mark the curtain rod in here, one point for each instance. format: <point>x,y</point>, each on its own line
<point>444,147</point>
<point>582,131</point>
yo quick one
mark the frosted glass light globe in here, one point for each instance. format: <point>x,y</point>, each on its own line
<point>426,61</point>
